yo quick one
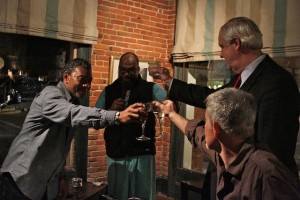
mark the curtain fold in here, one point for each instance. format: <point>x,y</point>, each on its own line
<point>198,23</point>
<point>69,20</point>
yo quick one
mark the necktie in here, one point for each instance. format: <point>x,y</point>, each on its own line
<point>238,82</point>
<point>126,98</point>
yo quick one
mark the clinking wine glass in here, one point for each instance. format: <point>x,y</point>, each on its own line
<point>159,115</point>
<point>148,108</point>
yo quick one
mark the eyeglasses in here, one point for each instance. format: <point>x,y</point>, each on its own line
<point>84,80</point>
<point>124,70</point>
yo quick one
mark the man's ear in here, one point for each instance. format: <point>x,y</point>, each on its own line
<point>65,76</point>
<point>216,129</point>
<point>237,42</point>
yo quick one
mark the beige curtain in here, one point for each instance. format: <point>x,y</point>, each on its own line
<point>198,23</point>
<point>70,20</point>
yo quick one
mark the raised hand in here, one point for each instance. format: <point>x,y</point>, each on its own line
<point>167,106</point>
<point>134,113</point>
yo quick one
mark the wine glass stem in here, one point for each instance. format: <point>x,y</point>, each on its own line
<point>160,126</point>
<point>143,128</point>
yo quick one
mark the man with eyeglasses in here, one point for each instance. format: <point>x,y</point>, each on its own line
<point>130,162</point>
<point>36,159</point>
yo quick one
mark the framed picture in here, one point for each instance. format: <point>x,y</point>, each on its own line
<point>144,64</point>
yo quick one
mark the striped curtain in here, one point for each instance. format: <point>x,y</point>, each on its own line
<point>69,20</point>
<point>198,23</point>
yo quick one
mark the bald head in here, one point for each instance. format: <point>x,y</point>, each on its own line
<point>129,66</point>
<point>129,59</point>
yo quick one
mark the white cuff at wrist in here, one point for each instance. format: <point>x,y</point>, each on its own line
<point>117,115</point>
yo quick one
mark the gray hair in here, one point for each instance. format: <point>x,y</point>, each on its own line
<point>244,29</point>
<point>234,110</point>
<point>77,62</point>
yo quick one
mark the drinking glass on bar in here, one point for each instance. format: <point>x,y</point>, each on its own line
<point>76,183</point>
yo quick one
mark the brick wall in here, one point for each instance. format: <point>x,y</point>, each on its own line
<point>145,27</point>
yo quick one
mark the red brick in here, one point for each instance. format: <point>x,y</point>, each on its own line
<point>145,27</point>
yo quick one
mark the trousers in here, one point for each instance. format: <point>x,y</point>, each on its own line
<point>9,189</point>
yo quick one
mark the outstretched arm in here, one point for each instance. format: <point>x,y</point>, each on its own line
<point>168,107</point>
<point>193,129</point>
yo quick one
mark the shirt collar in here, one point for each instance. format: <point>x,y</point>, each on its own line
<point>236,167</point>
<point>250,68</point>
<point>63,87</point>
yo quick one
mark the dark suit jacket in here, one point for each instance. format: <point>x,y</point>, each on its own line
<point>278,106</point>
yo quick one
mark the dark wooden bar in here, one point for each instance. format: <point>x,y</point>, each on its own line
<point>186,186</point>
<point>89,191</point>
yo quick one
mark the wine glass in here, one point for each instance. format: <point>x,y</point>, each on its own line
<point>148,108</point>
<point>76,183</point>
<point>159,115</point>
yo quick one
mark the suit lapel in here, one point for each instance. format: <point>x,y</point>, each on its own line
<point>256,74</point>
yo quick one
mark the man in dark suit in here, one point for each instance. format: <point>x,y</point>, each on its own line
<point>274,89</point>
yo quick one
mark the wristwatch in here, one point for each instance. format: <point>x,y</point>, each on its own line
<point>117,115</point>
